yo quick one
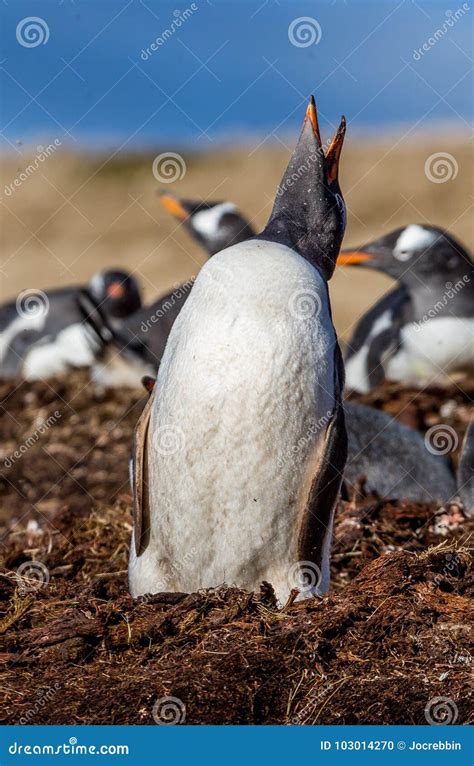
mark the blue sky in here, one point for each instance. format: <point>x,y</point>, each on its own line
<point>230,69</point>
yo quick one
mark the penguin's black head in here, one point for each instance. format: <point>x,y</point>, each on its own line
<point>309,214</point>
<point>116,292</point>
<point>413,254</point>
<point>215,225</point>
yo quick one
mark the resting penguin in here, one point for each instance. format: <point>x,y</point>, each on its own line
<point>252,369</point>
<point>423,330</point>
<point>215,225</point>
<point>393,460</point>
<point>45,333</point>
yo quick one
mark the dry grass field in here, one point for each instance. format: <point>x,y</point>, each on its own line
<point>80,212</point>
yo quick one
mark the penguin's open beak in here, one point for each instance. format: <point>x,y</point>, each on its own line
<point>174,206</point>
<point>353,258</point>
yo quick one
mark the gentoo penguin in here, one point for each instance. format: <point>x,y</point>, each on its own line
<point>215,225</point>
<point>423,330</point>
<point>44,333</point>
<point>251,373</point>
<point>392,459</point>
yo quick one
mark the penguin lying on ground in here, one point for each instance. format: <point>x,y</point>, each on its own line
<point>392,460</point>
<point>45,333</point>
<point>252,368</point>
<point>423,330</point>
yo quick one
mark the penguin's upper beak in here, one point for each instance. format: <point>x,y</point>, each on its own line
<point>353,257</point>
<point>174,206</point>
<point>312,116</point>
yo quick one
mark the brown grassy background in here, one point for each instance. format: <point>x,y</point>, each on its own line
<point>81,212</point>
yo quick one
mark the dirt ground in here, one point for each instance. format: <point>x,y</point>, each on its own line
<point>391,637</point>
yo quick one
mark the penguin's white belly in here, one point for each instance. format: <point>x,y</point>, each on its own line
<point>432,350</point>
<point>244,394</point>
<point>72,347</point>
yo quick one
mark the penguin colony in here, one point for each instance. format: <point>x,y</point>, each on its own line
<point>245,443</point>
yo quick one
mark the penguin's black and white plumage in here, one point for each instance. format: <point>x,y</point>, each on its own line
<point>44,333</point>
<point>215,225</point>
<point>422,331</point>
<point>240,451</point>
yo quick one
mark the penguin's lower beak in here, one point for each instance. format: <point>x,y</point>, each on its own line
<point>174,206</point>
<point>353,258</point>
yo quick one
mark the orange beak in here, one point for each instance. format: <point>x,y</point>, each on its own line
<point>312,116</point>
<point>351,258</point>
<point>334,152</point>
<point>173,206</point>
<point>115,290</point>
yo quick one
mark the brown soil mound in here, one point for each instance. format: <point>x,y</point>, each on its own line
<point>391,636</point>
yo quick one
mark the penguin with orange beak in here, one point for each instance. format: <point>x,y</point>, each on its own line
<point>240,453</point>
<point>422,331</point>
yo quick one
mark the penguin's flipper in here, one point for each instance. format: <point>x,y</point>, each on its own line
<point>465,476</point>
<point>139,472</point>
<point>325,484</point>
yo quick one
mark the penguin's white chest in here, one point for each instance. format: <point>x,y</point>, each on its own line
<point>431,350</point>
<point>244,394</point>
<point>72,347</point>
